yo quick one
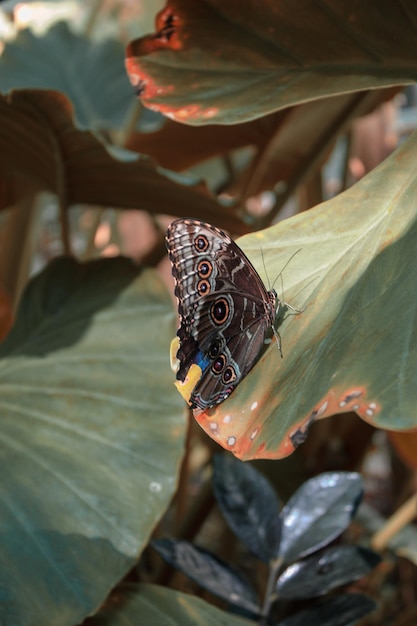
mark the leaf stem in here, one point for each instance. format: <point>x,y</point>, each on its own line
<point>270,596</point>
<point>403,516</point>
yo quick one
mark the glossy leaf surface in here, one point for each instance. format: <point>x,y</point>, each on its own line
<point>318,512</point>
<point>249,504</point>
<point>208,571</point>
<point>341,610</point>
<point>82,415</point>
<point>320,573</point>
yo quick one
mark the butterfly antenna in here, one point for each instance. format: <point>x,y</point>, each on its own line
<point>286,265</point>
<point>280,302</point>
<point>263,263</point>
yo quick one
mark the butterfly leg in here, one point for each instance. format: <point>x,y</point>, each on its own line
<point>292,308</point>
<point>278,339</point>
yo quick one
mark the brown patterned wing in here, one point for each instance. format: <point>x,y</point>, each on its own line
<point>225,310</point>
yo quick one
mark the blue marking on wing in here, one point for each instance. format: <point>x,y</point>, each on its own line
<point>202,360</point>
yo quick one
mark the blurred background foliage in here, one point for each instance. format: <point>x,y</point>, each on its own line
<point>87,171</point>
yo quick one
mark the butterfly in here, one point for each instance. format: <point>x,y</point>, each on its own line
<point>224,308</point>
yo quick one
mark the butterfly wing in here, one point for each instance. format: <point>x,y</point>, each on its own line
<point>225,310</point>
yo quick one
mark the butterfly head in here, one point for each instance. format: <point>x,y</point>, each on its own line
<point>272,305</point>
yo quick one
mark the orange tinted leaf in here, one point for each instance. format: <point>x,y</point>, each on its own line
<point>39,141</point>
<point>178,147</point>
<point>228,62</point>
<point>354,346</point>
<point>405,444</point>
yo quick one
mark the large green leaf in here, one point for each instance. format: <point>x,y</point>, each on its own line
<point>224,62</point>
<point>355,345</point>
<point>90,73</point>
<point>91,436</point>
<point>149,605</point>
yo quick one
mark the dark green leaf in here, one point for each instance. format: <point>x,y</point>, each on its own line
<point>249,504</point>
<point>341,610</point>
<point>90,447</point>
<point>320,573</point>
<point>318,512</point>
<point>208,571</point>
